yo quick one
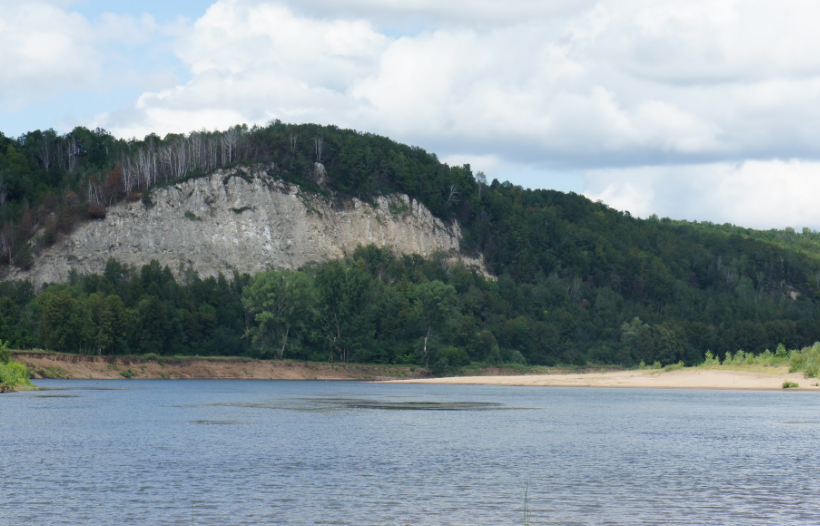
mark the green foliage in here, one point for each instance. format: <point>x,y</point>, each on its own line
<point>283,304</point>
<point>398,207</point>
<point>790,385</point>
<point>711,359</point>
<point>806,360</point>
<point>5,356</point>
<point>13,375</point>
<point>128,374</point>
<point>741,358</point>
<point>192,216</point>
<point>674,367</point>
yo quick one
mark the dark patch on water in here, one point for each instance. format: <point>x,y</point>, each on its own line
<point>42,389</point>
<point>215,422</point>
<point>353,403</point>
<point>325,404</point>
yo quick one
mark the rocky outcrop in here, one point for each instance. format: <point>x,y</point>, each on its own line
<point>242,219</point>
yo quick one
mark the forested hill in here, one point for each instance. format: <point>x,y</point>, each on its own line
<point>577,281</point>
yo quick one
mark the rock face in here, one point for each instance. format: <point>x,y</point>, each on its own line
<point>242,219</point>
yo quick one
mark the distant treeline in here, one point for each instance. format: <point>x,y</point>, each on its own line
<point>577,280</point>
<point>372,307</point>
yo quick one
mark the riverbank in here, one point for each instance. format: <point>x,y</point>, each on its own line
<point>58,365</point>
<point>752,378</point>
<point>72,366</point>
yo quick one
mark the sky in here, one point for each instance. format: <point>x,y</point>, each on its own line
<point>696,109</point>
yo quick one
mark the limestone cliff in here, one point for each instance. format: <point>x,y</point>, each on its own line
<point>242,219</point>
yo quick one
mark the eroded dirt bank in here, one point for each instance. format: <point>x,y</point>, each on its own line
<point>55,365</point>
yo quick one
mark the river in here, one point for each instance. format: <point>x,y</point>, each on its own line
<point>222,452</point>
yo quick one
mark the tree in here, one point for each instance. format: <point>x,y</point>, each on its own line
<point>636,337</point>
<point>280,301</point>
<point>344,295</point>
<point>481,179</point>
<point>434,303</point>
<point>65,325</point>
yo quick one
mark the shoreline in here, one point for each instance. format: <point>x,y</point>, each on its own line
<point>51,365</point>
<point>719,378</point>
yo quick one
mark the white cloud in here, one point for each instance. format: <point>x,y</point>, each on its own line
<point>757,194</point>
<point>700,92</point>
<point>44,49</point>
<point>47,50</point>
<point>563,84</point>
<point>435,13</point>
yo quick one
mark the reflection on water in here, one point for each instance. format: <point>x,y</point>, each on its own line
<point>127,452</point>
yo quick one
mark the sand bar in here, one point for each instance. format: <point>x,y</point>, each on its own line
<point>689,378</point>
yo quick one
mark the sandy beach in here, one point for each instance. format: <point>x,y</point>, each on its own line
<point>689,378</point>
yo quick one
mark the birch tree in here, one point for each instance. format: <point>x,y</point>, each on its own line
<point>434,302</point>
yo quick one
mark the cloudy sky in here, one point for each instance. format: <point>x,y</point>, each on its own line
<point>695,109</point>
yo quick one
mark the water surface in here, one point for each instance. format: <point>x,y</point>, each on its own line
<point>211,452</point>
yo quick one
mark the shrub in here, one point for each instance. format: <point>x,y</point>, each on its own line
<point>806,360</point>
<point>96,212</point>
<point>13,376</point>
<point>790,385</point>
<point>711,359</point>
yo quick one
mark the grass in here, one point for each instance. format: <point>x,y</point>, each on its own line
<point>790,385</point>
<point>51,373</point>
<point>192,216</point>
<point>674,367</point>
<point>242,209</point>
